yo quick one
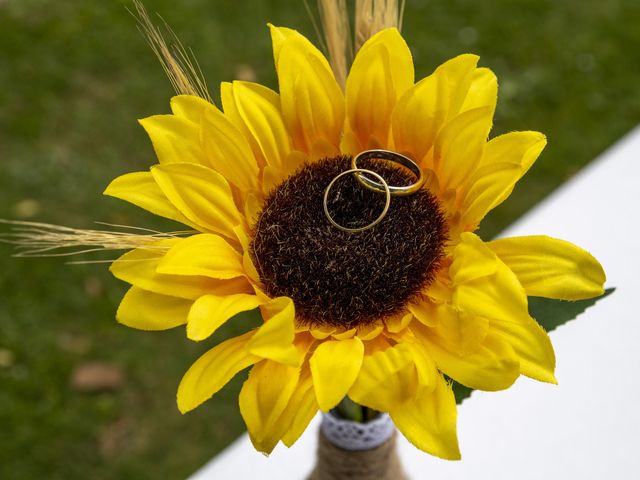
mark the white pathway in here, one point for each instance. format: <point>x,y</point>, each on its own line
<point>588,427</point>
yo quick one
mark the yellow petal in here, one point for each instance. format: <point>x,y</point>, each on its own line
<point>532,346</point>
<point>301,409</point>
<point>381,72</point>
<point>259,109</point>
<point>378,344</point>
<point>515,148</point>
<point>459,147</point>
<point>427,312</point>
<point>222,146</point>
<point>242,234</point>
<point>279,36</point>
<point>455,78</point>
<point>227,150</point>
<point>253,206</point>
<point>150,311</point>
<point>496,295</point>
<point>489,186</point>
<point>189,107</point>
<point>322,148</point>
<point>231,112</point>
<point>423,109</point>
<point>335,365</point>
<point>201,195</point>
<point>349,144</point>
<point>440,290</point>
<point>138,267</point>
<point>250,268</point>
<point>345,334</point>
<point>273,175</point>
<point>369,332</point>
<point>428,421</point>
<point>142,190</point>
<point>472,260</point>
<point>506,159</point>
<point>303,342</point>
<point>206,255</point>
<point>424,363</point>
<point>263,398</point>
<point>552,268</point>
<point>274,339</point>
<point>500,298</point>
<point>175,139</point>
<point>387,379</point>
<point>398,323</point>
<point>209,312</point>
<point>458,331</point>
<point>483,91</point>
<point>321,333</point>
<point>213,370</point>
<point>493,366</point>
<point>417,118</point>
<point>312,102</point>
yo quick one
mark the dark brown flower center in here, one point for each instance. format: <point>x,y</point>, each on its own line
<point>343,279</point>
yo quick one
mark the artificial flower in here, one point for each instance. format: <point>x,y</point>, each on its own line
<point>387,316</point>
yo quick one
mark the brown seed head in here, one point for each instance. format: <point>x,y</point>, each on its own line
<point>343,279</point>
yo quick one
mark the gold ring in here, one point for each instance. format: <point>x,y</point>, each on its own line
<point>386,190</point>
<point>394,157</point>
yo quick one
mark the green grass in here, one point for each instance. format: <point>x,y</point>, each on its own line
<point>74,77</point>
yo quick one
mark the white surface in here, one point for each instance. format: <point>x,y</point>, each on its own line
<point>588,426</point>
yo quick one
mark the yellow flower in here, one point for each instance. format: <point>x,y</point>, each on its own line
<point>383,316</point>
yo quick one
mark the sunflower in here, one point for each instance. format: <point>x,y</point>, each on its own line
<point>386,316</point>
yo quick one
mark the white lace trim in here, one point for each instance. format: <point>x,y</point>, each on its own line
<point>350,435</point>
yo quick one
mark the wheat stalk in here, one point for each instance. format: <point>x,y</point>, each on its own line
<point>179,64</point>
<point>33,239</point>
<point>371,16</point>
<point>337,36</point>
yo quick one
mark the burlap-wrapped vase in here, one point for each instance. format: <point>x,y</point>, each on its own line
<point>357,451</point>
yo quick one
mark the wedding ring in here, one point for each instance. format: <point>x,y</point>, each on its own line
<point>393,157</point>
<point>385,188</point>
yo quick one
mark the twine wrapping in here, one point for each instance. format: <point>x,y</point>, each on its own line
<point>378,463</point>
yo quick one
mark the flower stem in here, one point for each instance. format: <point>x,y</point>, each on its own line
<point>350,410</point>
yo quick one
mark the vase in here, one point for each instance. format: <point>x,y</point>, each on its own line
<point>357,451</point>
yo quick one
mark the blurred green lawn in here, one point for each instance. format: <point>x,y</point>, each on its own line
<point>74,77</point>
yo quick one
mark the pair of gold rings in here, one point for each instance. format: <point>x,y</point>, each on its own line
<point>363,176</point>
